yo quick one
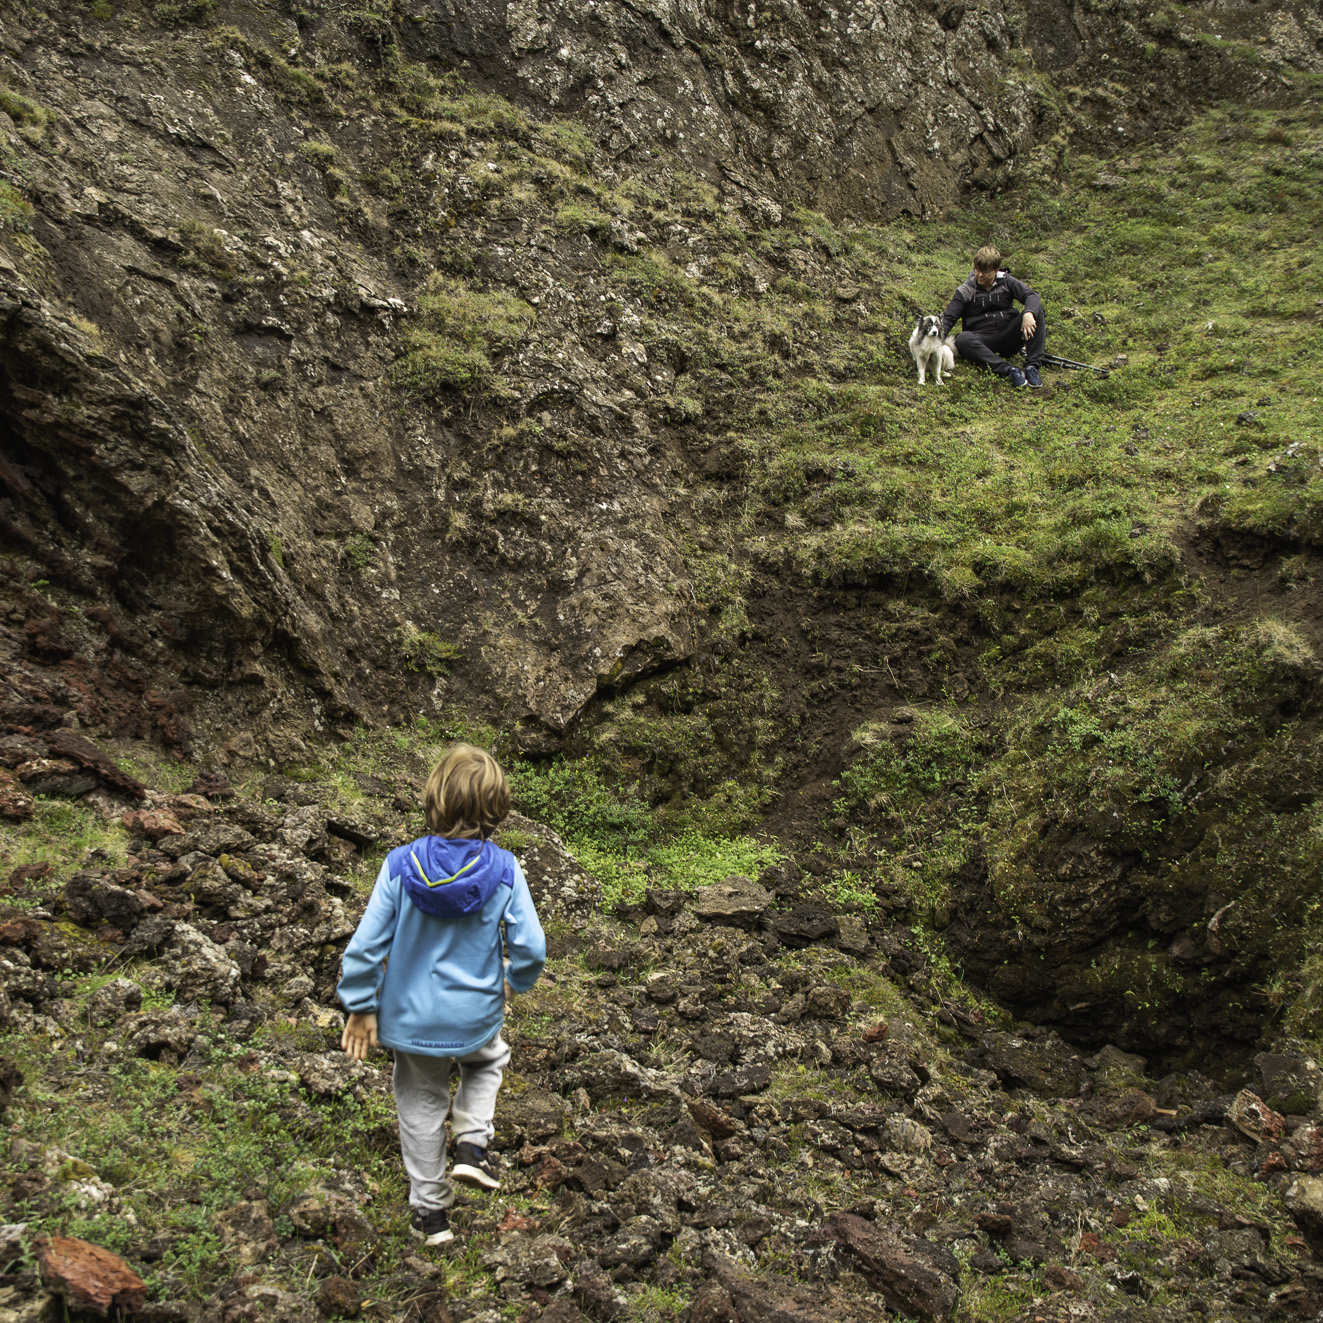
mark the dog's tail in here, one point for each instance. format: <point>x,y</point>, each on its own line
<point>949,342</point>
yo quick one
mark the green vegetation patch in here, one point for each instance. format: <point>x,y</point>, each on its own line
<point>460,330</point>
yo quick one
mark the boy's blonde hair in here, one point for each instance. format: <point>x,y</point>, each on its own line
<point>467,794</point>
<point>987,258</point>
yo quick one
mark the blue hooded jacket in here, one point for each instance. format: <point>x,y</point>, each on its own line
<point>438,911</point>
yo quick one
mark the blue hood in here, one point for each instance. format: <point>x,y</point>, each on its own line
<point>448,877</point>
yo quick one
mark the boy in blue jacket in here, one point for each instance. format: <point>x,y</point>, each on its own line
<point>438,911</point>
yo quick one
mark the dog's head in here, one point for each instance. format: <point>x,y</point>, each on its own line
<point>930,326</point>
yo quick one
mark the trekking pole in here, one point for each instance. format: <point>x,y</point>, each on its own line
<point>1054,360</point>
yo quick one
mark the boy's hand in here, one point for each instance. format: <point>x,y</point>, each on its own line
<point>360,1034</point>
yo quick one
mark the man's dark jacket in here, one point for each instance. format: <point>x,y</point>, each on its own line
<point>989,313</point>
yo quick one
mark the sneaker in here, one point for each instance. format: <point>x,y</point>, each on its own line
<point>431,1228</point>
<point>1016,377</point>
<point>472,1168</point>
<point>1031,376</point>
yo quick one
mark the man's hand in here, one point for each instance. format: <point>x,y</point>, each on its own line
<point>360,1034</point>
<point>1028,325</point>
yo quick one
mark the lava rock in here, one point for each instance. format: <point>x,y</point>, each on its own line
<point>737,902</point>
<point>87,1276</point>
<point>91,899</point>
<point>113,1000</point>
<point>530,1117</point>
<point>1048,1068</point>
<point>525,1259</point>
<point>16,803</point>
<point>559,883</point>
<point>247,1231</point>
<point>152,1033</point>
<point>1304,1201</point>
<point>612,1074</point>
<point>805,924</point>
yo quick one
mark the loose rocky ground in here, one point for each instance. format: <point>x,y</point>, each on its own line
<point>728,1103</point>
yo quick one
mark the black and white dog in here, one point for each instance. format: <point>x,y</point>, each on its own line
<point>930,351</point>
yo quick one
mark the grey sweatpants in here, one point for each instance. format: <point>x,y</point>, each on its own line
<point>422,1099</point>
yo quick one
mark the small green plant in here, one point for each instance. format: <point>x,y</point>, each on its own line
<point>460,330</point>
<point>171,13</point>
<point>205,250</point>
<point>277,550</point>
<point>22,110</point>
<point>425,650</point>
<point>15,209</point>
<point>321,154</point>
<point>576,218</point>
<point>358,553</point>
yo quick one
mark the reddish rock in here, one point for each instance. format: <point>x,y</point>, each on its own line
<point>514,1222</point>
<point>1062,1279</point>
<point>549,1174</point>
<point>15,802</point>
<point>910,1285</point>
<point>65,744</point>
<point>18,932</point>
<point>1127,1108</point>
<point>87,1276</point>
<point>716,1122</point>
<point>152,823</point>
<point>26,873</point>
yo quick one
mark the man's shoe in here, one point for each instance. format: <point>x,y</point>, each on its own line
<point>431,1228</point>
<point>1016,378</point>
<point>473,1168</point>
<point>1032,378</point>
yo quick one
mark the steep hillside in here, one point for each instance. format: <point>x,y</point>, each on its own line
<point>373,374</point>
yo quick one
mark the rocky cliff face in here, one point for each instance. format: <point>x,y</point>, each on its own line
<point>363,362</point>
<point>247,486</point>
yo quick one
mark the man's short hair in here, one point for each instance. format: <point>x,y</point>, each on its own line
<point>467,794</point>
<point>987,258</point>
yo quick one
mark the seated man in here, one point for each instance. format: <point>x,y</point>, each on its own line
<point>992,327</point>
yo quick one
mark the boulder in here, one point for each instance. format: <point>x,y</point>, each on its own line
<point>530,1117</point>
<point>152,1033</point>
<point>92,900</point>
<point>88,1277</point>
<point>113,1000</point>
<point>155,824</point>
<point>526,1259</point>
<point>559,883</point>
<point>733,1293</point>
<point>330,1074</point>
<point>1255,1119</point>
<point>612,1074</point>
<point>16,804</point>
<point>827,1002</point>
<point>196,968</point>
<point>891,1072</point>
<point>67,744</point>
<point>805,924</point>
<point>1049,1068</point>
<point>737,902</point>
<point>1304,1201</point>
<point>907,1281</point>
<point>247,1232</point>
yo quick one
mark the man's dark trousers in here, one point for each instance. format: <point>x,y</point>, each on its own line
<point>988,353</point>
